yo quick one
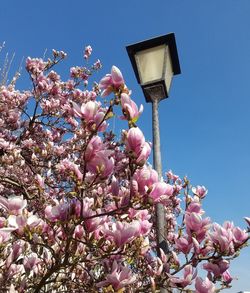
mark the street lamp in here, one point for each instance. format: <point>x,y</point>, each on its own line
<point>155,61</point>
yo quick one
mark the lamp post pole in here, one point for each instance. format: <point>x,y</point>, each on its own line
<point>160,213</point>
<point>155,61</point>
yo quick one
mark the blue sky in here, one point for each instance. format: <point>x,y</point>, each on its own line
<point>205,122</point>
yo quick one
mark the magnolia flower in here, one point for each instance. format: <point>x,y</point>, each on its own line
<point>14,204</point>
<point>91,113</point>
<point>183,244</point>
<point>204,286</point>
<point>200,191</point>
<point>130,108</point>
<point>171,176</point>
<point>217,268</point>
<point>135,143</point>
<point>16,250</point>
<point>5,235</point>
<point>240,236</point>
<point>59,212</point>
<point>189,274</point>
<point>14,269</point>
<point>111,81</point>
<point>87,52</point>
<point>119,277</point>
<point>35,65</point>
<point>161,190</point>
<point>101,164</point>
<point>135,140</point>
<point>145,178</point>
<point>95,145</point>
<point>87,110</point>
<point>226,277</point>
<point>67,167</point>
<point>196,224</point>
<point>123,232</point>
<point>19,222</point>
<point>228,237</point>
<point>30,262</point>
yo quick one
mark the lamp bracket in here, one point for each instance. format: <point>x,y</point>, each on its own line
<point>152,92</point>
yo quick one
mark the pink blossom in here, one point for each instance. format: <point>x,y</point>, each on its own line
<point>87,52</point>
<point>195,224</point>
<point>145,178</point>
<point>14,204</point>
<point>121,233</point>
<point>144,154</point>
<point>117,77</point>
<point>226,277</point>
<point>102,164</point>
<point>204,286</point>
<point>95,145</point>
<point>217,267</point>
<point>91,113</point>
<point>114,188</point>
<point>53,76</point>
<point>4,235</point>
<point>195,207</point>
<point>135,140</point>
<point>106,84</point>
<point>14,269</point>
<point>227,237</point>
<point>35,65</point>
<point>19,222</point>
<point>91,224</point>
<point>59,212</point>
<point>145,227</point>
<point>40,181</point>
<point>200,191</point>
<point>111,81</point>
<point>30,262</point>
<point>171,176</point>
<point>119,277</point>
<point>141,215</point>
<point>222,238</point>
<point>97,64</point>
<point>130,108</point>
<point>17,249</point>
<point>79,231</point>
<point>188,275</point>
<point>42,83</point>
<point>240,236</point>
<point>136,144</point>
<point>2,222</point>
<point>67,167</point>
<point>183,244</point>
<point>160,191</point>
<point>87,110</point>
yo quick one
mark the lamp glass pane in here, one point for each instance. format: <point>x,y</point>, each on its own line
<point>150,64</point>
<point>168,69</point>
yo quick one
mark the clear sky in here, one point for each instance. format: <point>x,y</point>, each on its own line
<point>205,122</point>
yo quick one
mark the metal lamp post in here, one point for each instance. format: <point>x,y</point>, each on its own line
<point>155,61</point>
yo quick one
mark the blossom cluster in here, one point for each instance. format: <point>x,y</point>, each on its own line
<point>77,204</point>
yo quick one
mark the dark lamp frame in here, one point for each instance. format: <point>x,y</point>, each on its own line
<point>156,87</point>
